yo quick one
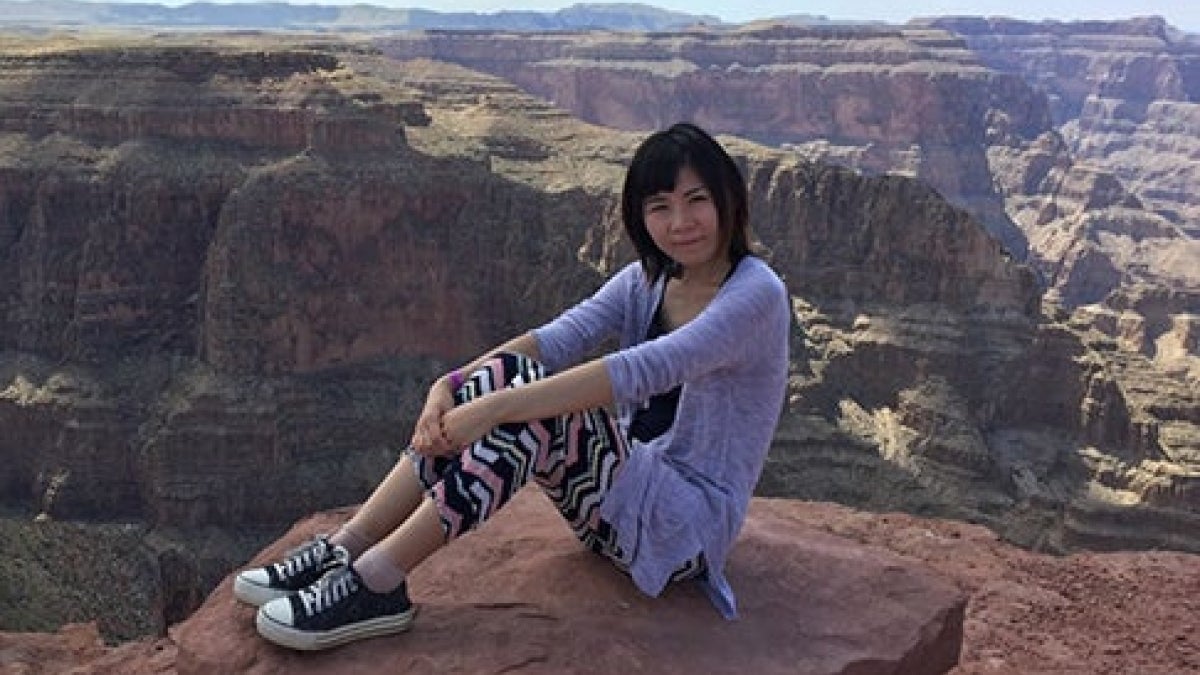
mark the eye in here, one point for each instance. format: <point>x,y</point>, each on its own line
<point>655,207</point>
<point>699,197</point>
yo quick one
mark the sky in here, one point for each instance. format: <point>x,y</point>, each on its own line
<point>1184,14</point>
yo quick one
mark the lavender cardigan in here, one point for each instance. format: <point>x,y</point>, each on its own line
<point>686,491</point>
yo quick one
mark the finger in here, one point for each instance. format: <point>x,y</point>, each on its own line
<point>443,444</point>
<point>425,442</point>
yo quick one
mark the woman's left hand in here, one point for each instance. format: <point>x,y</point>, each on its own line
<point>469,422</point>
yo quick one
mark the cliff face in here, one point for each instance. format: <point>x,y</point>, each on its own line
<point>1073,143</point>
<point>216,260</point>
<point>540,602</point>
<point>114,157</point>
<point>934,385</point>
<point>1108,202</point>
<point>207,336</point>
<point>910,101</point>
<point>1139,60</point>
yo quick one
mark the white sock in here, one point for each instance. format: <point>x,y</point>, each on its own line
<point>351,539</point>
<point>379,572</point>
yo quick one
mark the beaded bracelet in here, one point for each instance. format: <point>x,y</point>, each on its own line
<point>456,380</point>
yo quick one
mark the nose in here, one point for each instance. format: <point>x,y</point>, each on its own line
<point>679,219</point>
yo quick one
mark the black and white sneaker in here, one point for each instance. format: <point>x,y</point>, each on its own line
<point>300,569</point>
<point>337,609</point>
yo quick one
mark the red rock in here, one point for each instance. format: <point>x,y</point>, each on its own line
<point>522,594</point>
<point>72,643</point>
<point>1028,612</point>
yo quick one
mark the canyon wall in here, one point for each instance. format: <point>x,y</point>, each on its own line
<point>1073,143</point>
<point>207,335</point>
<point>876,99</point>
<point>1108,200</point>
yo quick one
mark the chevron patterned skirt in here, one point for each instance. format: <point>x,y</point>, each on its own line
<point>573,458</point>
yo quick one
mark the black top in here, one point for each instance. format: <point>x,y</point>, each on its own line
<point>653,420</point>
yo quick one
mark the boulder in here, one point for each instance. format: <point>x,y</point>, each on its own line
<point>522,594</point>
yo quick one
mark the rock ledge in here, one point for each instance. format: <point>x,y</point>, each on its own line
<point>522,595</point>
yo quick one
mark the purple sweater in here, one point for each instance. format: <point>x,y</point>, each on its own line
<point>686,491</point>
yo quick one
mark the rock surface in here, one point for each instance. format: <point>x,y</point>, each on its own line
<point>1074,143</point>
<point>877,99</point>
<point>1108,202</point>
<point>181,312</point>
<point>521,594</point>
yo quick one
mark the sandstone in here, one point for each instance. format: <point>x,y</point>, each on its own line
<point>181,313</point>
<point>1026,612</point>
<point>522,593</point>
<point>1124,96</point>
<point>882,99</point>
<point>1089,127</point>
<point>72,644</point>
<point>1121,57</point>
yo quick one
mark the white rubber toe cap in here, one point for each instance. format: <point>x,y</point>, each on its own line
<point>278,610</point>
<point>252,587</point>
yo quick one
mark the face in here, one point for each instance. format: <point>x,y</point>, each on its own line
<point>683,222</point>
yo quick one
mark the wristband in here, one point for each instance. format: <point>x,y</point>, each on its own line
<point>456,380</point>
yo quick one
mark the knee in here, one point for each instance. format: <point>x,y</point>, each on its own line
<point>519,368</point>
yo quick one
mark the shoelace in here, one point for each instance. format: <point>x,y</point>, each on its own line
<point>327,592</point>
<point>308,556</point>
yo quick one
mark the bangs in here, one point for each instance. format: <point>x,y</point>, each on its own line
<point>657,168</point>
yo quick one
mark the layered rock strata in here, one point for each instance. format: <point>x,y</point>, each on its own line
<point>1071,142</point>
<point>1025,612</point>
<point>877,99</point>
<point>204,336</point>
<point>209,328</point>
<point>1108,201</point>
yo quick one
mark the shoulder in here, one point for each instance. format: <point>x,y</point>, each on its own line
<point>631,280</point>
<point>633,271</point>
<point>754,279</point>
<point>754,268</point>
<point>631,275</point>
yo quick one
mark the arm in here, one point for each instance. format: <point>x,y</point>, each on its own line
<point>580,388</point>
<point>557,344</point>
<point>575,333</point>
<point>728,332</point>
<point>427,437</point>
<point>713,340</point>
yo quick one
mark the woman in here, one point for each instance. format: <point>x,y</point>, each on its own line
<point>661,490</point>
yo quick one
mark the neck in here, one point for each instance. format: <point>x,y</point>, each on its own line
<point>710,274</point>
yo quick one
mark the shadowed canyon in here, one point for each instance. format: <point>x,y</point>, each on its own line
<point>230,264</point>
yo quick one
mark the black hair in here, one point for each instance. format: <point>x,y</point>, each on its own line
<point>654,169</point>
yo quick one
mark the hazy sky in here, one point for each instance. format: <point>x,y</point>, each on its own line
<point>1183,14</point>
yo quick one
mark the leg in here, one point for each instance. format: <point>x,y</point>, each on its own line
<point>400,494</point>
<point>592,449</point>
<point>369,597</point>
<point>574,457</point>
<point>467,489</point>
<point>414,541</point>
<point>390,504</point>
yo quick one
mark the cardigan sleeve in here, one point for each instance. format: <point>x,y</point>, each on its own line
<point>724,334</point>
<point>567,339</point>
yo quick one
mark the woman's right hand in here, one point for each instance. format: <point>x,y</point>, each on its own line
<point>427,438</point>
